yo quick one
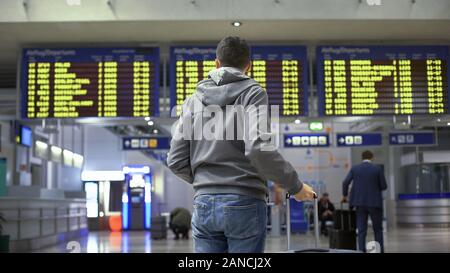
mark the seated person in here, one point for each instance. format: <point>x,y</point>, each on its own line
<point>326,209</point>
<point>180,222</point>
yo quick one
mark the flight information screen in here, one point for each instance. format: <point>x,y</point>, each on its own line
<point>382,80</point>
<point>90,82</point>
<point>281,71</point>
<point>188,66</point>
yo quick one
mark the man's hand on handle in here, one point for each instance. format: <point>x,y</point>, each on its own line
<point>305,194</point>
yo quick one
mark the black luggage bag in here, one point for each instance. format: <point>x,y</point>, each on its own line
<point>344,219</point>
<point>316,249</point>
<point>343,233</point>
<point>158,229</point>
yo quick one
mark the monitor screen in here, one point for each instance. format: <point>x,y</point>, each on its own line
<point>280,70</point>
<point>90,82</point>
<point>382,80</point>
<point>25,135</point>
<point>136,199</point>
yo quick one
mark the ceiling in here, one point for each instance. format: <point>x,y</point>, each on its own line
<point>15,35</point>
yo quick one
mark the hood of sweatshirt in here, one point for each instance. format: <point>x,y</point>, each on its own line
<point>223,86</point>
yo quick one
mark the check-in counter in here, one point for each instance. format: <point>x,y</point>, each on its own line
<point>33,223</point>
<point>423,209</point>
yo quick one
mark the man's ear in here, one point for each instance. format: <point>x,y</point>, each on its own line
<point>247,68</point>
<point>218,65</point>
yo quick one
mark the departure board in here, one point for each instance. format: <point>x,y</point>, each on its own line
<point>382,80</point>
<point>188,66</point>
<point>281,71</point>
<point>90,82</point>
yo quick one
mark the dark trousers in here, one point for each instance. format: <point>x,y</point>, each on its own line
<point>376,215</point>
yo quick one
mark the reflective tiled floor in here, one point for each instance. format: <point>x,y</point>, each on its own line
<point>396,240</point>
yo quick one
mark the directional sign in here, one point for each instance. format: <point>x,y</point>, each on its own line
<point>306,140</point>
<point>145,143</point>
<point>352,139</point>
<point>412,138</point>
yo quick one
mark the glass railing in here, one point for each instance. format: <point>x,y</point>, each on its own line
<point>425,181</point>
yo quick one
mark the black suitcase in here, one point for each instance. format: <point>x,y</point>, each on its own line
<point>342,239</point>
<point>343,233</point>
<point>158,229</point>
<point>344,219</point>
<point>316,249</point>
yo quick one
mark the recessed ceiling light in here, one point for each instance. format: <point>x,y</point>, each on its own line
<point>151,123</point>
<point>155,131</point>
<point>439,120</point>
<point>236,24</point>
<point>147,118</point>
<point>297,121</point>
<point>448,123</point>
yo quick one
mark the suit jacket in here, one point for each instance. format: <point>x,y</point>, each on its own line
<point>368,182</point>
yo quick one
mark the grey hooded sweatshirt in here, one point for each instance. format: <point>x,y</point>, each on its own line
<point>219,166</point>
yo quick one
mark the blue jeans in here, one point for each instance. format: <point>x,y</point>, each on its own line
<point>376,215</point>
<point>229,223</point>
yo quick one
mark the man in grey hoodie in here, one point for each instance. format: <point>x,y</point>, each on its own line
<point>229,174</point>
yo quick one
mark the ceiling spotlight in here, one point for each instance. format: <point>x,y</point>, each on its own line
<point>147,118</point>
<point>438,120</point>
<point>155,131</point>
<point>150,123</point>
<point>236,24</point>
<point>297,121</point>
<point>448,123</point>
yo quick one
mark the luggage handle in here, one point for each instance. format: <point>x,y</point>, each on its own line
<point>288,220</point>
<point>316,220</point>
<point>349,217</point>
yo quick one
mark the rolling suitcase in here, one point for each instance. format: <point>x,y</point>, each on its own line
<point>343,234</point>
<point>158,229</point>
<point>344,219</point>
<point>316,248</point>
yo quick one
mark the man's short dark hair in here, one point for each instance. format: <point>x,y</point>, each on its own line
<point>233,51</point>
<point>367,155</point>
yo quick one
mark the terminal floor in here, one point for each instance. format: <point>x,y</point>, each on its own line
<point>396,240</point>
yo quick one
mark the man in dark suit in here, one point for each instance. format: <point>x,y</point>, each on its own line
<point>366,195</point>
